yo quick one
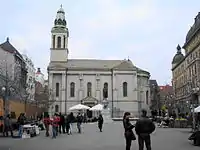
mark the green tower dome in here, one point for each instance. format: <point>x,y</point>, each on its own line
<point>178,56</point>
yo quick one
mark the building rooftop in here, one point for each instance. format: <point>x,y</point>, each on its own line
<point>7,46</point>
<point>97,64</point>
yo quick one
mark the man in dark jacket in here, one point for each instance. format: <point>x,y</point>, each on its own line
<point>61,123</point>
<point>143,128</point>
<point>79,122</point>
<point>7,126</point>
<point>100,122</point>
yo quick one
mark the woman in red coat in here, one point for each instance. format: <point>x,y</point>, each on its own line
<point>54,124</point>
<point>47,122</point>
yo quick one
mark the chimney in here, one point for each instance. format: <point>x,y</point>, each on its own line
<point>38,70</point>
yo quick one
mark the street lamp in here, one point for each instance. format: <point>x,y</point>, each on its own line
<point>4,91</point>
<point>194,90</point>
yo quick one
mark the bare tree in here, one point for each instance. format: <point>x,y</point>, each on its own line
<point>12,80</point>
<point>41,95</point>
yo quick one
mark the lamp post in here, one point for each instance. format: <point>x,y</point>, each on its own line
<point>5,95</point>
<point>194,90</point>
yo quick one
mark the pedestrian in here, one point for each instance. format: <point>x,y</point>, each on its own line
<point>128,133</point>
<point>7,126</point>
<point>66,124</point>
<point>70,119</point>
<point>21,121</point>
<point>61,124</point>
<point>144,127</point>
<point>100,122</point>
<point>79,122</point>
<point>57,119</point>
<point>54,124</point>
<point>47,122</point>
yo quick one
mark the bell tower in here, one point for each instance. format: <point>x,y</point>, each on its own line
<point>59,38</point>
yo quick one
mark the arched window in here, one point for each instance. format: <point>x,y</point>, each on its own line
<point>59,42</point>
<point>72,89</point>
<point>56,108</point>
<point>125,92</point>
<point>89,89</point>
<point>147,97</point>
<point>105,90</point>
<point>57,89</point>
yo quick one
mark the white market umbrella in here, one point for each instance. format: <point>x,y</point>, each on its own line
<point>196,110</point>
<point>79,107</point>
<point>97,107</point>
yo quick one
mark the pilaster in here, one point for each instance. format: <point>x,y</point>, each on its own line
<point>62,43</point>
<point>63,96</point>
<point>98,91</point>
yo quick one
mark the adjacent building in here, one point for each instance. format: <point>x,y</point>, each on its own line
<point>154,95</point>
<point>186,69</point>
<point>90,81</point>
<point>13,72</point>
<point>30,78</point>
<point>166,93</point>
<point>166,97</point>
<point>39,76</point>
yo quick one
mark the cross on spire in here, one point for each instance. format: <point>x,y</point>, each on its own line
<point>61,5</point>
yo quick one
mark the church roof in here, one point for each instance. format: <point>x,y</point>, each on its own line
<point>125,65</point>
<point>94,64</point>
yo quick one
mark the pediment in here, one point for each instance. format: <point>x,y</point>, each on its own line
<point>125,65</point>
<point>89,99</point>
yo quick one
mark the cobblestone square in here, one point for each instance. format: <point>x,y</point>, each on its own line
<point>110,139</point>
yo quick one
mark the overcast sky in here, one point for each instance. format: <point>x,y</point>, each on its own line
<point>146,31</point>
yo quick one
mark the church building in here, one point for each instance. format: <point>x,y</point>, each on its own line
<point>90,81</point>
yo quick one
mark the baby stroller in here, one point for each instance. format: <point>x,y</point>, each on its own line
<point>164,123</point>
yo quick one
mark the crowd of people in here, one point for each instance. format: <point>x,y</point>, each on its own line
<point>63,124</point>
<point>58,123</point>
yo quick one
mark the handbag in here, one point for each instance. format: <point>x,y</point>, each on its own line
<point>130,134</point>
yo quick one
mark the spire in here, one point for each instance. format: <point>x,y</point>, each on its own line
<point>38,70</point>
<point>178,49</point>
<point>7,39</point>
<point>60,18</point>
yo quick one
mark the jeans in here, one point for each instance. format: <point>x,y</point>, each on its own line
<point>144,139</point>
<point>70,128</point>
<point>20,131</point>
<point>62,128</point>
<point>6,129</point>
<point>79,127</point>
<point>128,143</point>
<point>47,129</point>
<point>54,132</point>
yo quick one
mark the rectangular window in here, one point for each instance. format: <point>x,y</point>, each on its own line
<point>195,69</point>
<point>57,89</point>
<point>54,38</point>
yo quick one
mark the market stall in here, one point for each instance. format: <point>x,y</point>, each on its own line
<point>30,131</point>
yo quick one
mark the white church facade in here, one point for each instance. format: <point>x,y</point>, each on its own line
<point>89,81</point>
